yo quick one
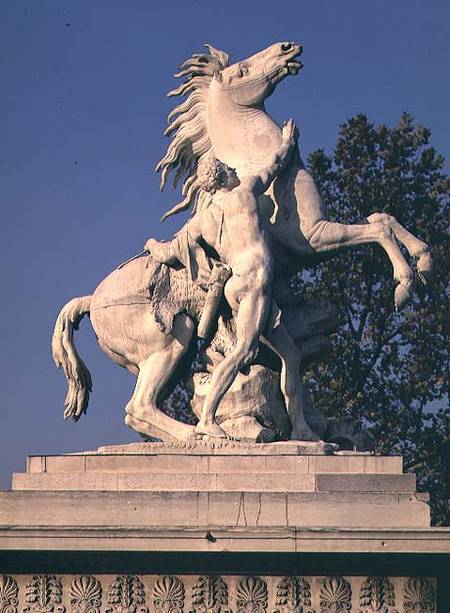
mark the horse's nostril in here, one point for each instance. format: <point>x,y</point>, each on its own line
<point>286,46</point>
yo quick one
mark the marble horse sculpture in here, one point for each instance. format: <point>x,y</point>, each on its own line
<point>223,116</point>
<point>231,226</point>
<point>177,302</point>
<point>224,113</point>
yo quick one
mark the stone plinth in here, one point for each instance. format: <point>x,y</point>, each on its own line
<point>329,510</point>
<point>257,486</point>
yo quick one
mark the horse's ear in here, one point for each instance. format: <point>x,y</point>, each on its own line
<point>224,58</point>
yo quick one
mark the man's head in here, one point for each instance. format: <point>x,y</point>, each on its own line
<point>213,175</point>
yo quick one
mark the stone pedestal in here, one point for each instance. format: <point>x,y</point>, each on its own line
<point>257,528</point>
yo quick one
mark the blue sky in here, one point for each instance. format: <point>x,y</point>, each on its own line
<point>82,112</point>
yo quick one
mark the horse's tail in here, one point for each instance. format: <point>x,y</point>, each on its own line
<point>66,357</point>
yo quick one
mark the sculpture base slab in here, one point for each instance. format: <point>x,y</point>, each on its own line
<point>223,447</point>
<point>257,523</point>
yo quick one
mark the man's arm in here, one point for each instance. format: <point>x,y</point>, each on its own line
<point>171,252</point>
<point>266,175</point>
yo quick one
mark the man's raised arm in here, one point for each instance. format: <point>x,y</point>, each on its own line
<point>172,251</point>
<point>266,175</point>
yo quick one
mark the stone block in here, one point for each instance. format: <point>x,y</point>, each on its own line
<point>64,463</point>
<point>211,481</point>
<point>358,510</point>
<point>307,509</point>
<point>65,481</point>
<point>184,463</point>
<point>366,483</point>
<point>356,463</point>
<point>170,481</point>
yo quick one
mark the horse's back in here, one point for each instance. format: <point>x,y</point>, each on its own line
<point>120,309</point>
<point>122,314</point>
<point>128,284</point>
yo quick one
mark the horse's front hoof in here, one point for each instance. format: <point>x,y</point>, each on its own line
<point>425,267</point>
<point>402,294</point>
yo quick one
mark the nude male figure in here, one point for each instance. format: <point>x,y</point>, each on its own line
<point>233,226</point>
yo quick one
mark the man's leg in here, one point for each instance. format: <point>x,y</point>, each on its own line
<point>250,321</point>
<point>291,383</point>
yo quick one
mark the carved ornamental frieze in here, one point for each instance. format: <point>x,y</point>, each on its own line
<point>168,595</point>
<point>216,594</point>
<point>43,594</point>
<point>377,595</point>
<point>251,595</point>
<point>210,595</point>
<point>86,595</point>
<point>418,596</point>
<point>126,595</point>
<point>293,595</point>
<point>9,591</point>
<point>335,595</point>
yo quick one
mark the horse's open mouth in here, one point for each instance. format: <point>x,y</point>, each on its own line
<point>294,66</point>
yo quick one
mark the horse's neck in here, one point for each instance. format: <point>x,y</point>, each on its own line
<point>245,138</point>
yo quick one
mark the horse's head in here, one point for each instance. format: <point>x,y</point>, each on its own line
<point>211,118</point>
<point>249,82</point>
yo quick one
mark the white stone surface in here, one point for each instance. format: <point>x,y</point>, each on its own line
<point>266,498</point>
<point>228,151</point>
<point>172,593</point>
<point>275,486</point>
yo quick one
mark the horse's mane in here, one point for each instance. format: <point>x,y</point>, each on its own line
<point>188,125</point>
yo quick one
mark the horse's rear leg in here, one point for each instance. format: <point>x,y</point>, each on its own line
<point>143,414</point>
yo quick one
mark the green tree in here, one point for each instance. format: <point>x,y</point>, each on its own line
<point>389,370</point>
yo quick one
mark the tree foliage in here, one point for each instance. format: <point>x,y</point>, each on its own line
<point>389,371</point>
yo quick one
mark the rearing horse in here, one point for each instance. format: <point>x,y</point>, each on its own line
<point>224,115</point>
